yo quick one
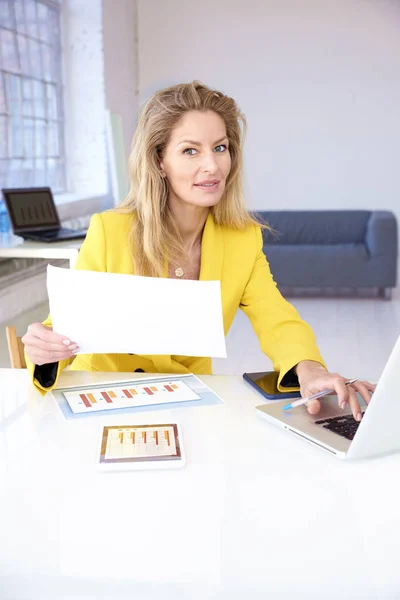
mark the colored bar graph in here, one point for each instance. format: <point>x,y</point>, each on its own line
<point>133,437</point>
<point>144,436</point>
<point>112,394</point>
<point>156,437</point>
<point>132,391</point>
<point>148,391</point>
<point>127,393</point>
<point>153,388</point>
<point>174,386</point>
<point>92,398</point>
<point>106,397</point>
<point>85,401</point>
<point>121,437</point>
<point>166,436</point>
<point>169,388</point>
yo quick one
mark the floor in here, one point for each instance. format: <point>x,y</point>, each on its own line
<point>355,335</point>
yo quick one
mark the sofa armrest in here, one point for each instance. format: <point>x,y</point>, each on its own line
<point>381,234</point>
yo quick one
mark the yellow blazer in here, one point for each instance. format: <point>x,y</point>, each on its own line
<point>233,257</point>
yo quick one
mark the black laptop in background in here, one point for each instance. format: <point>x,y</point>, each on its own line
<point>33,215</point>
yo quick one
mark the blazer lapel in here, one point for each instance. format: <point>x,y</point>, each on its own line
<point>212,251</point>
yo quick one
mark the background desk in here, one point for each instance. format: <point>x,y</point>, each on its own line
<point>256,513</point>
<point>26,249</point>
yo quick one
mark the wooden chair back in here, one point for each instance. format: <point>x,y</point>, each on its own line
<point>15,349</point>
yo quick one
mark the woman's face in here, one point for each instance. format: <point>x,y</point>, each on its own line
<point>196,160</point>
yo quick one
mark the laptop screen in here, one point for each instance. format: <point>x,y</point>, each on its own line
<point>31,209</point>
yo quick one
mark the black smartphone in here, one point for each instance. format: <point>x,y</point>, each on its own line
<point>267,384</point>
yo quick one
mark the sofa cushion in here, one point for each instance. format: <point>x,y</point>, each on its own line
<point>320,266</point>
<point>325,227</point>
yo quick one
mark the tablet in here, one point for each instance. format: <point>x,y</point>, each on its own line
<point>125,447</point>
<point>266,383</point>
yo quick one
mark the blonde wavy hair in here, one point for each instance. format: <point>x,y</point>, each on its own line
<point>154,237</point>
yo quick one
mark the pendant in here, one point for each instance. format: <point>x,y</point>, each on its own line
<point>179,272</point>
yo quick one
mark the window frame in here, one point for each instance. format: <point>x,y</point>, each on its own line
<point>20,160</point>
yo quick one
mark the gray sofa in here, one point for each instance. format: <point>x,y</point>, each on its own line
<point>332,249</point>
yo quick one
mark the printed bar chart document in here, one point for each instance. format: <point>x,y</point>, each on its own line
<point>123,396</point>
<point>113,313</point>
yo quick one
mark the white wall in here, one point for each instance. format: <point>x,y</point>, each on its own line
<point>318,81</point>
<point>84,97</point>
<point>120,62</point>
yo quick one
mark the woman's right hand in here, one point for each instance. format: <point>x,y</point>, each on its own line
<point>44,346</point>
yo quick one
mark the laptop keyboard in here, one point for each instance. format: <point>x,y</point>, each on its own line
<point>345,425</point>
<point>62,233</point>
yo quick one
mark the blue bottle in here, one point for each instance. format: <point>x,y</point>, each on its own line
<point>4,224</point>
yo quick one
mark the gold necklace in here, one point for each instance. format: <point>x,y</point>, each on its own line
<point>179,271</point>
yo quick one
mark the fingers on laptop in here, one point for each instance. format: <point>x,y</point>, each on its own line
<point>365,390</point>
<point>342,391</point>
<point>347,395</point>
<point>313,407</point>
<point>354,404</point>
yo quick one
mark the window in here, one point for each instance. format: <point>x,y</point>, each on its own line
<point>31,106</point>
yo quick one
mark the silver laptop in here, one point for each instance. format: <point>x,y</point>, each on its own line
<point>337,431</point>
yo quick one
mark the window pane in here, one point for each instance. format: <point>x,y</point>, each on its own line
<point>5,14</point>
<point>51,169</point>
<point>31,18</point>
<point>49,63</point>
<point>3,99</point>
<point>51,96</point>
<point>43,16</point>
<point>31,126</point>
<point>16,137</point>
<point>54,28</point>
<point>3,171</point>
<point>3,137</point>
<point>14,93</point>
<point>29,137</point>
<point>27,94</point>
<point>52,140</point>
<point>14,174</point>
<point>9,57</point>
<point>36,67</point>
<point>60,176</point>
<point>38,95</point>
<point>18,6</point>
<point>40,139</point>
<point>28,174</point>
<point>40,172</point>
<point>23,51</point>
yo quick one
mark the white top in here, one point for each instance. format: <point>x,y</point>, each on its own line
<point>255,513</point>
<point>18,248</point>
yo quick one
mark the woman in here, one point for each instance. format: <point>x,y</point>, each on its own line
<point>184,217</point>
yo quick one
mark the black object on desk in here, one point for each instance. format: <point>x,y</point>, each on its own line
<point>33,215</point>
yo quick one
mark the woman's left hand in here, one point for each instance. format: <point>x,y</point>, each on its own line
<point>314,378</point>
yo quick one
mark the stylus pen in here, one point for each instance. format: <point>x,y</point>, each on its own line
<point>314,396</point>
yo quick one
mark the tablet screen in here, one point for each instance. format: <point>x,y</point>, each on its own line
<point>139,444</point>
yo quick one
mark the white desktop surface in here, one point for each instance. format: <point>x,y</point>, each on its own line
<point>16,247</point>
<point>256,513</point>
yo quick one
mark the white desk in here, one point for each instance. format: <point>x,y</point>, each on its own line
<point>18,248</point>
<point>256,513</point>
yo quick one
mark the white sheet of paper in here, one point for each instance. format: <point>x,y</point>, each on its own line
<point>112,313</point>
